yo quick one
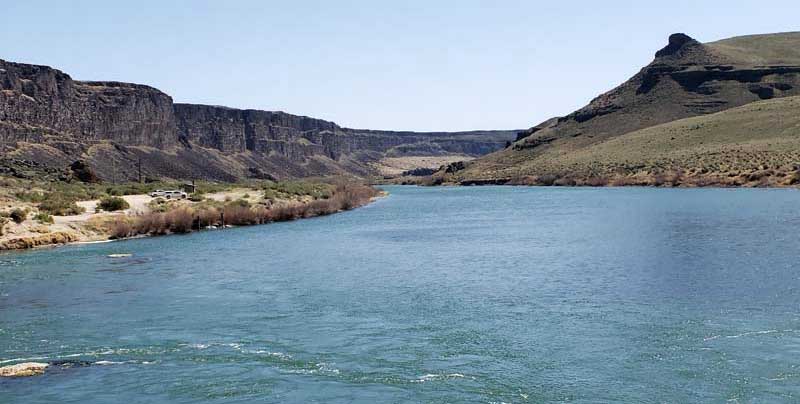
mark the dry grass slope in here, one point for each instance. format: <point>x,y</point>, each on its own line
<point>766,49</point>
<point>754,145</point>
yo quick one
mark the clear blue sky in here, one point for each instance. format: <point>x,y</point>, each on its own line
<point>412,65</point>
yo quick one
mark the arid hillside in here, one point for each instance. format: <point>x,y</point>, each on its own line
<point>686,79</point>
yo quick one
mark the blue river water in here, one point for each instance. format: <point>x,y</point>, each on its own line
<point>465,294</point>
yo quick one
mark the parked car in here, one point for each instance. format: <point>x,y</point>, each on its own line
<point>175,195</point>
<point>172,194</point>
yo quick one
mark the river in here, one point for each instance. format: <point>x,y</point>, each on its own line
<point>462,294</point>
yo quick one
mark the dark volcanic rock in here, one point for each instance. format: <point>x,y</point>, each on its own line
<point>47,117</point>
<point>676,43</point>
<point>38,103</point>
<point>83,173</point>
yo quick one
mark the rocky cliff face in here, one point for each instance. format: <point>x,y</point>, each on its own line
<point>38,104</point>
<point>235,130</point>
<point>47,119</point>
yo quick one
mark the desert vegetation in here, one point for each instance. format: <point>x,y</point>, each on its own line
<point>319,199</point>
<point>755,145</point>
<point>34,209</point>
<point>112,204</point>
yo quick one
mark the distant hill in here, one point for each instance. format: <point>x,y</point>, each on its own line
<point>49,121</point>
<point>686,79</point>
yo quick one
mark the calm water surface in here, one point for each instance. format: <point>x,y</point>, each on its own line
<point>488,295</point>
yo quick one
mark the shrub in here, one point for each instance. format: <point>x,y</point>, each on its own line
<point>185,219</point>
<point>30,196</point>
<point>121,229</point>
<point>43,217</point>
<point>150,223</point>
<point>18,215</point>
<point>240,203</point>
<point>179,220</point>
<point>208,217</point>
<point>289,189</point>
<point>239,215</point>
<point>57,204</point>
<point>113,204</point>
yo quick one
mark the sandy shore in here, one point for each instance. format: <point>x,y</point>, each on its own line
<point>87,227</point>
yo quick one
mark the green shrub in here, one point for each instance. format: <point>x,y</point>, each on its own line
<point>203,187</point>
<point>288,189</point>
<point>18,215</point>
<point>29,196</point>
<point>113,204</point>
<point>59,205</point>
<point>44,218</point>
<point>239,203</point>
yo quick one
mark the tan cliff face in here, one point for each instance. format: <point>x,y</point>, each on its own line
<point>686,79</point>
<point>48,120</point>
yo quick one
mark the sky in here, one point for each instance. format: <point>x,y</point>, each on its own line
<point>399,65</point>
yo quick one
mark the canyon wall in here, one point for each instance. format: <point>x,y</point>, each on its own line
<point>48,119</point>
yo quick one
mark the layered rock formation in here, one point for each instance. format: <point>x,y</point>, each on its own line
<point>49,120</point>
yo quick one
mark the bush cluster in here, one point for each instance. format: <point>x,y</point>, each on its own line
<point>43,218</point>
<point>185,219</point>
<point>18,215</point>
<point>113,204</point>
<point>59,205</point>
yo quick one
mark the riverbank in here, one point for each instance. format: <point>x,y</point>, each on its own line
<point>759,178</point>
<point>27,224</point>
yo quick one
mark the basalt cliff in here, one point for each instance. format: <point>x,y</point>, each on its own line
<point>124,131</point>
<point>719,113</point>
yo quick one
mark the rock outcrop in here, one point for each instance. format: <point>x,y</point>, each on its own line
<point>48,119</point>
<point>42,104</point>
<point>23,369</point>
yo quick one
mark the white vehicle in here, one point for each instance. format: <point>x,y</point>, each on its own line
<point>173,194</point>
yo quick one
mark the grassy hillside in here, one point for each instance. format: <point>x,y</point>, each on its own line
<point>629,130</point>
<point>766,49</point>
<point>754,145</point>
